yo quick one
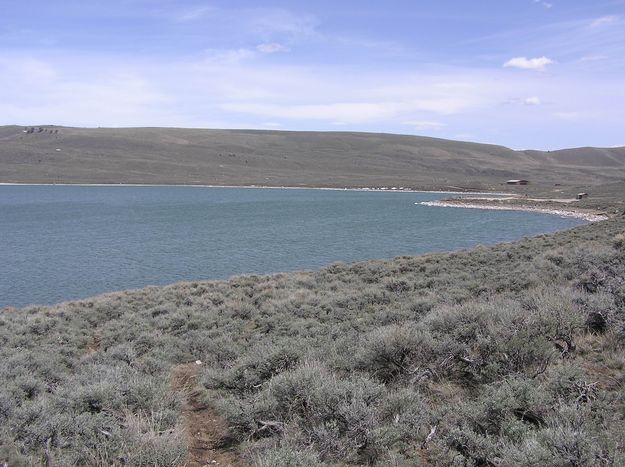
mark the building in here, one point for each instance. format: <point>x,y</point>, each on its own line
<point>582,195</point>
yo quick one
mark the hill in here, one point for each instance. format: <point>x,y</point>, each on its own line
<point>50,154</point>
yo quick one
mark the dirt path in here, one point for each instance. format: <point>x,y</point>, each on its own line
<point>93,345</point>
<point>205,430</point>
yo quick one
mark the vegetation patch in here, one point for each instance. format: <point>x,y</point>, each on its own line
<point>507,355</point>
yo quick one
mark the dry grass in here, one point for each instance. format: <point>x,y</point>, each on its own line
<point>291,158</point>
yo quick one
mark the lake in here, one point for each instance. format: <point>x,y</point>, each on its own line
<point>61,243</point>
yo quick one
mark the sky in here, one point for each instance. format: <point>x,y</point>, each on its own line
<point>527,74</point>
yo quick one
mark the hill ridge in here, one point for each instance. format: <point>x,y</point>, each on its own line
<point>153,155</point>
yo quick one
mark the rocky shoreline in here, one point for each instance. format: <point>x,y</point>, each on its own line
<point>519,204</point>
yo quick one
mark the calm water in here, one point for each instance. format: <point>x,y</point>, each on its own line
<point>60,243</point>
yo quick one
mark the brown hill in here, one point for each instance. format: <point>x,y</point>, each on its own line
<point>50,154</point>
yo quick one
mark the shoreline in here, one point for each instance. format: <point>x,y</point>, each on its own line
<point>269,187</point>
<point>589,217</point>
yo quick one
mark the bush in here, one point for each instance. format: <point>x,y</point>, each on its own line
<point>396,351</point>
<point>287,457</point>
<point>249,373</point>
<point>337,416</point>
<point>507,355</point>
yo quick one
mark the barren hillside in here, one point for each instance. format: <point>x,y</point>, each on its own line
<point>256,157</point>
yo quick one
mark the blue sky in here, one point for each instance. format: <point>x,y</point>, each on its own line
<point>522,73</point>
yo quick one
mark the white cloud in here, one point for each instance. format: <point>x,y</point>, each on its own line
<point>341,112</point>
<point>443,105</point>
<point>424,125</point>
<point>605,20</point>
<point>525,63</point>
<point>271,47</point>
<point>242,89</point>
<point>593,58</point>
<point>545,4</point>
<point>534,100</point>
<point>195,13</point>
<point>271,21</point>
<point>567,115</point>
<point>108,99</point>
<point>229,57</point>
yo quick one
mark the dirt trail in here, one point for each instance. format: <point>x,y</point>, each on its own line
<point>93,345</point>
<point>205,430</point>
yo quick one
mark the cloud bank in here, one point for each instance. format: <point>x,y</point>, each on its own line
<point>264,67</point>
<point>524,63</point>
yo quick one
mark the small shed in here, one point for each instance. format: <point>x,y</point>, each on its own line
<point>517,182</point>
<point>582,195</point>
